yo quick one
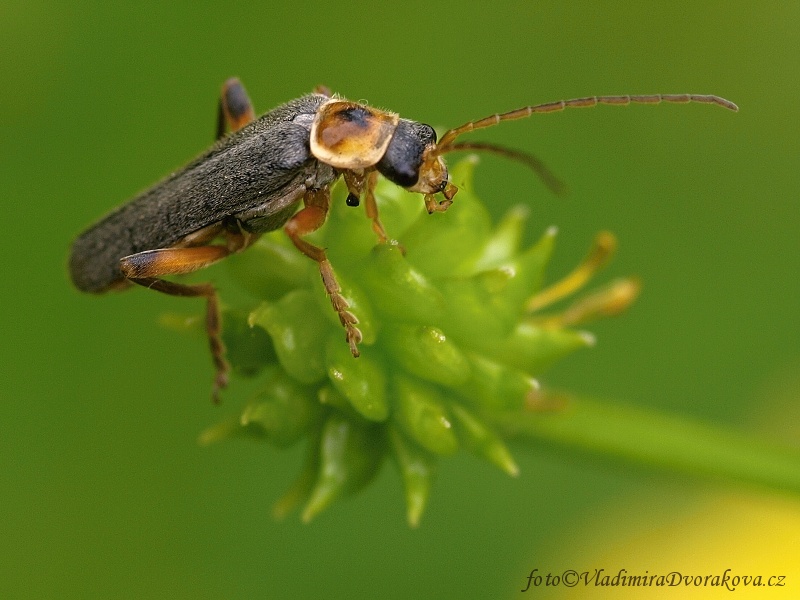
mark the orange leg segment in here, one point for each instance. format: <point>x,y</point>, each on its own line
<point>235,109</point>
<point>146,268</point>
<point>309,219</point>
<point>372,207</point>
<point>363,184</point>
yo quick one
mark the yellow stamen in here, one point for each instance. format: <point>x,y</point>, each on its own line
<point>605,302</point>
<point>603,248</point>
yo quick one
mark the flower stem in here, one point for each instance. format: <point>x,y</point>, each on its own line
<point>659,441</point>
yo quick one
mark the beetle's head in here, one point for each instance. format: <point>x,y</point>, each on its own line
<point>411,161</point>
<point>348,135</point>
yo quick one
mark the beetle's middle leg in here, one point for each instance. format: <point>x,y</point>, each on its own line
<point>146,268</point>
<point>310,218</point>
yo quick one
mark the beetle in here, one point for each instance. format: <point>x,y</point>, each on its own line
<point>253,178</point>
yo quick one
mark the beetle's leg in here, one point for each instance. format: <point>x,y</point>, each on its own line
<point>213,328</point>
<point>448,192</point>
<point>309,219</point>
<point>372,207</point>
<point>433,206</point>
<point>145,268</point>
<point>323,90</point>
<point>363,184</point>
<point>235,109</point>
<point>355,182</point>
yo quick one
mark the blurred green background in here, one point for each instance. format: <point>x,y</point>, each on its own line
<point>104,492</point>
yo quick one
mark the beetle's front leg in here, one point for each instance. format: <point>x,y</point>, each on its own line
<point>358,184</point>
<point>432,206</point>
<point>146,268</point>
<point>371,207</point>
<point>309,219</point>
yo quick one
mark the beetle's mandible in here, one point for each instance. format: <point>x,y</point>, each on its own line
<point>253,179</point>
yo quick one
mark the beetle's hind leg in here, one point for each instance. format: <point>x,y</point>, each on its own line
<point>235,109</point>
<point>146,268</point>
<point>213,327</point>
<point>310,218</point>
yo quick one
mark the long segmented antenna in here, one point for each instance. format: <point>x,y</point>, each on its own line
<point>558,187</point>
<point>445,144</point>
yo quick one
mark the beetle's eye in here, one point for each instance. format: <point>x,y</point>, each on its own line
<point>430,133</point>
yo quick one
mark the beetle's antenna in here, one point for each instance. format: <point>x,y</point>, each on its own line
<point>558,187</point>
<point>447,139</point>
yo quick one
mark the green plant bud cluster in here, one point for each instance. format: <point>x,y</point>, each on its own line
<point>447,343</point>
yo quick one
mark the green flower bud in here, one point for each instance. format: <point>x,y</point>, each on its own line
<point>417,468</point>
<point>421,413</point>
<point>361,381</point>
<point>399,291</point>
<point>482,441</point>
<point>503,243</point>
<point>284,409</point>
<point>495,386</point>
<point>249,348</point>
<point>350,454</point>
<point>295,330</point>
<point>451,340</point>
<point>534,349</point>
<point>426,352</point>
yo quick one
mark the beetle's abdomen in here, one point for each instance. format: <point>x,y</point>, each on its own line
<point>256,166</point>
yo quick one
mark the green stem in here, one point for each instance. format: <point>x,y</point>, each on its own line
<point>660,441</point>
